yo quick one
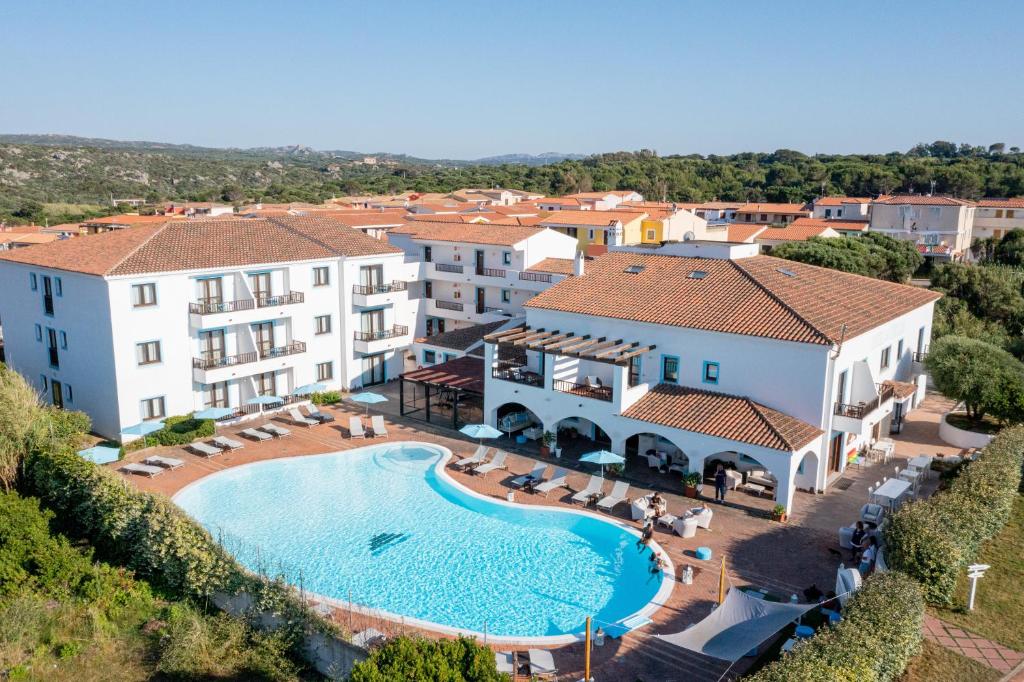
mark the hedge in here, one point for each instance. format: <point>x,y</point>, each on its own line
<point>178,430</point>
<point>935,540</point>
<point>879,633</point>
<point>325,398</point>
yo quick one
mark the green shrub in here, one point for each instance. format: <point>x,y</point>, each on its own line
<point>879,633</point>
<point>413,659</point>
<point>326,398</point>
<point>935,540</point>
<point>178,430</point>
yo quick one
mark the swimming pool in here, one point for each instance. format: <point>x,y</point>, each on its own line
<point>386,527</point>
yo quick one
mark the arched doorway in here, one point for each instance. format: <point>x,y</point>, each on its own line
<point>645,449</point>
<point>806,477</point>
<point>513,418</point>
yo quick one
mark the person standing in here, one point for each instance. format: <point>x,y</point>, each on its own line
<point>720,480</point>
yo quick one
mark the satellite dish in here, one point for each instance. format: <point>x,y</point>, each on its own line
<point>689,236</point>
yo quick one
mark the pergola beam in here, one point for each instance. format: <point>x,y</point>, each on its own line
<point>551,347</point>
<point>556,336</point>
<point>625,357</point>
<point>520,335</point>
<point>616,349</point>
<point>494,337</point>
<point>541,334</point>
<point>586,346</point>
<point>591,351</point>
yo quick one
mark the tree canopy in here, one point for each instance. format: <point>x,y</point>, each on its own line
<point>872,254</point>
<point>986,378</point>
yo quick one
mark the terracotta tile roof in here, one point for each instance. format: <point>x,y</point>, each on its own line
<point>757,296</point>
<point>1016,202</point>
<point>922,200</point>
<point>835,224</point>
<point>721,415</point>
<point>470,233</point>
<point>902,389</point>
<point>563,201</point>
<point>796,231</point>
<point>777,209</point>
<point>196,244</point>
<point>590,218</point>
<point>461,339</point>
<point>128,219</point>
<point>466,373</point>
<point>601,195</point>
<point>721,205</point>
<point>839,201</point>
<point>27,238</point>
<point>559,266</point>
<point>744,234</point>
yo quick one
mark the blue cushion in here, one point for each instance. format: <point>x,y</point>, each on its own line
<point>804,631</point>
<point>704,553</point>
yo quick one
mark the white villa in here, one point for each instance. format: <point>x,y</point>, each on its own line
<point>940,226</point>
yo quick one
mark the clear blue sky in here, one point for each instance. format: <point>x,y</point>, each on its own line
<point>469,79</point>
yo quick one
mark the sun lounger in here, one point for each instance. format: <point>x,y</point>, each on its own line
<point>617,495</point>
<point>275,430</point>
<point>256,435</point>
<point>505,662</point>
<point>313,412</point>
<point>557,480</point>
<point>225,443</point>
<point>143,469</point>
<point>477,457</point>
<point>203,449</point>
<point>355,427</point>
<point>535,475</point>
<point>297,418</point>
<point>368,637</point>
<point>165,462</point>
<point>377,424</point>
<point>594,486</point>
<point>497,463</point>
<point>542,663</point>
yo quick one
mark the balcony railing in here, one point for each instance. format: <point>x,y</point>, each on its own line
<point>214,362</point>
<point>381,334</point>
<point>447,267</point>
<point>484,309</point>
<point>490,272</point>
<point>448,305</point>
<point>920,356</point>
<point>861,410</point>
<point>210,307</point>
<point>519,375</point>
<point>583,390</point>
<point>370,289</point>
<point>535,276</point>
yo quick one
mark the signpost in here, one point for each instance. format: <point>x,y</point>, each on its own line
<point>975,571</point>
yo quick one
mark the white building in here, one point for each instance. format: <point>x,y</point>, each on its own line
<point>162,320</point>
<point>940,226</point>
<point>765,363</point>
<point>842,208</point>
<point>604,201</point>
<point>996,217</point>
<point>472,273</point>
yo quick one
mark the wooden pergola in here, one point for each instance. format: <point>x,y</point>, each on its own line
<point>453,384</point>
<point>570,344</point>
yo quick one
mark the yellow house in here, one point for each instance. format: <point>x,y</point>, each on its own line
<point>593,227</point>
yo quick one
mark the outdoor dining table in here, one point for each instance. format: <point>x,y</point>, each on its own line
<point>921,463</point>
<point>891,492</point>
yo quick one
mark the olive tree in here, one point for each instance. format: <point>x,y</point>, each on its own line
<point>986,378</point>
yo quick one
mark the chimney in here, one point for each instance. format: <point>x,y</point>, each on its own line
<point>577,264</point>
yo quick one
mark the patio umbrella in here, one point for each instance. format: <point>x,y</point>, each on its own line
<point>480,431</point>
<point>213,413</point>
<point>143,429</point>
<point>368,398</point>
<point>100,454</point>
<point>309,388</point>
<point>602,457</point>
<point>265,400</point>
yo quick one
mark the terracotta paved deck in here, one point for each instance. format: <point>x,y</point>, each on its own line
<point>968,644</point>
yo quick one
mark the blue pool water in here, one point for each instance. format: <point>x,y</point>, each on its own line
<point>382,525</point>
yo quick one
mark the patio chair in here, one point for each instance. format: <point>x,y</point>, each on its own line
<point>165,462</point>
<point>297,418</point>
<point>377,424</point>
<point>255,435</point>
<point>275,430</point>
<point>557,480</point>
<point>685,527</point>
<point>593,382</point>
<point>203,449</point>
<point>593,488</point>
<point>872,513</point>
<point>535,475</point>
<point>653,462</point>
<point>505,662</point>
<point>497,463</point>
<point>355,427</point>
<point>477,457</point>
<point>542,663</point>
<point>225,443</point>
<point>617,495</point>
<point>143,469</point>
<point>703,517</point>
<point>313,412</point>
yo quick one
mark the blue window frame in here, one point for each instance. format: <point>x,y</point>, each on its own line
<point>506,257</point>
<point>39,332</point>
<point>429,357</point>
<point>448,357</point>
<point>58,287</point>
<point>669,369</point>
<point>68,395</point>
<point>33,281</point>
<point>710,374</point>
<point>64,340</point>
<point>506,296</point>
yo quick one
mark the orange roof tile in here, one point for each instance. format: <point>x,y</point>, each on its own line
<point>470,233</point>
<point>558,266</point>
<point>590,218</point>
<point>744,233</point>
<point>922,200</point>
<point>1016,202</point>
<point>839,201</point>
<point>777,209</point>
<point>795,231</point>
<point>835,224</point>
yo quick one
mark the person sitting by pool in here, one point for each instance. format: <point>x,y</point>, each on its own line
<point>658,505</point>
<point>658,564</point>
<point>645,535</point>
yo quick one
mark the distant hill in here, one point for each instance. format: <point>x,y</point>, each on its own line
<point>528,159</point>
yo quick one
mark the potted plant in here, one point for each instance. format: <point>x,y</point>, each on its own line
<point>613,469</point>
<point>779,513</point>
<point>692,484</point>
<point>547,440</point>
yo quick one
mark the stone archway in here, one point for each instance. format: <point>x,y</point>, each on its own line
<point>806,475</point>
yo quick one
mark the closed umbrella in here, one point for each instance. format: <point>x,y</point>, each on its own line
<point>368,398</point>
<point>602,457</point>
<point>100,454</point>
<point>143,429</point>
<point>481,431</point>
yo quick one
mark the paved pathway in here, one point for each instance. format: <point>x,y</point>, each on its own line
<point>968,644</point>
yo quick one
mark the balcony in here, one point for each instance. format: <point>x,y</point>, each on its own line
<point>447,267</point>
<point>242,311</point>
<point>519,375</point>
<point>852,418</point>
<point>215,368</point>
<point>377,294</point>
<point>544,277</point>
<point>381,340</point>
<point>491,272</point>
<point>583,390</point>
<point>448,305</point>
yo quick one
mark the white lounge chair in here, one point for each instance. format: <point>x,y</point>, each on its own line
<point>535,475</point>
<point>355,427</point>
<point>617,495</point>
<point>377,424</point>
<point>368,637</point>
<point>685,527</point>
<point>165,462</point>
<point>297,418</point>
<point>255,435</point>
<point>203,449</point>
<point>542,663</point>
<point>313,412</point>
<point>505,662</point>
<point>557,480</point>
<point>225,443</point>
<point>477,457</point>
<point>275,430</point>
<point>143,469</point>
<point>497,463</point>
<point>594,486</point>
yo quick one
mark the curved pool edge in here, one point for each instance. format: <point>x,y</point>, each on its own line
<point>659,599</point>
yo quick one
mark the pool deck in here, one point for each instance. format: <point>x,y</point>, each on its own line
<point>784,558</point>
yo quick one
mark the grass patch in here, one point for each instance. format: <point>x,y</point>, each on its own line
<point>71,209</point>
<point>987,425</point>
<point>999,603</point>
<point>939,664</point>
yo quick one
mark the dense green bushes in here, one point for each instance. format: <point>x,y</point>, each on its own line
<point>934,540</point>
<point>325,398</point>
<point>879,633</point>
<point>986,378</point>
<point>426,660</point>
<point>178,430</point>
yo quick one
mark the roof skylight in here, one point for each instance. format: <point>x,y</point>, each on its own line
<point>697,274</point>
<point>784,271</point>
<point>634,269</point>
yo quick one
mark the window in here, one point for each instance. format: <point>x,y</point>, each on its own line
<point>448,357</point>
<point>51,346</point>
<point>764,217</point>
<point>428,289</point>
<point>68,395</point>
<point>506,296</point>
<point>506,257</point>
<point>885,357</point>
<point>634,370</point>
<point>33,283</point>
<point>590,235</point>
<point>899,350</point>
<point>934,212</point>
<point>428,254</point>
<point>322,324</point>
<point>920,340</point>
<point>64,340</point>
<point>670,369</point>
<point>710,372</point>
<point>571,231</point>
<point>217,395</point>
<point>828,212</point>
<point>58,287</point>
<point>999,214</point>
<point>39,332</point>
<point>147,352</point>
<point>1010,214</point>
<point>839,214</point>
<point>153,408</point>
<point>841,388</point>
<point>321,276</point>
<point>324,371</point>
<point>143,295</point>
<point>44,382</point>
<point>429,357</point>
<point>266,384</point>
<point>651,235</point>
